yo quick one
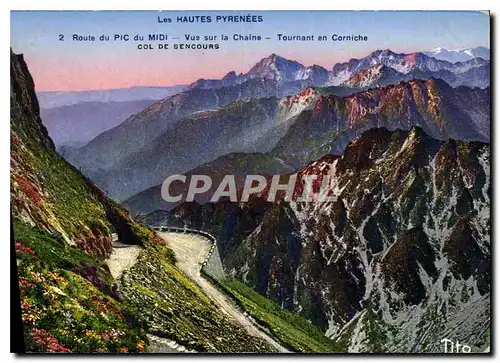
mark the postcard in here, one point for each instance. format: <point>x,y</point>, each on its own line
<point>261,182</point>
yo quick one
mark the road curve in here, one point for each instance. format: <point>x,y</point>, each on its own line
<point>190,251</point>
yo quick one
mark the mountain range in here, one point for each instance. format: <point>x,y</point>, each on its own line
<point>157,130</point>
<point>76,117</point>
<point>272,77</point>
<point>164,128</point>
<point>298,129</point>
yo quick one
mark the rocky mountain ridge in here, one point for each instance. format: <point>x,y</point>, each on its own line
<point>441,111</point>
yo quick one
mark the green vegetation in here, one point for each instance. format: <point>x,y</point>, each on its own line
<point>67,299</point>
<point>50,190</point>
<point>56,195</point>
<point>52,252</point>
<point>292,330</point>
<point>63,227</point>
<point>70,304</point>
<point>173,307</point>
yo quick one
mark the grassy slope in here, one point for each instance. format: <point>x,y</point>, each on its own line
<point>292,330</point>
<point>67,300</point>
<point>182,311</point>
<point>62,227</point>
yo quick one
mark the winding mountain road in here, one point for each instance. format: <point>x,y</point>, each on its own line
<point>190,251</point>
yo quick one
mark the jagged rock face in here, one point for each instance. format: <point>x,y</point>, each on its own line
<point>55,99</point>
<point>440,110</point>
<point>108,148</point>
<point>273,76</point>
<point>24,103</point>
<point>284,72</point>
<point>399,261</point>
